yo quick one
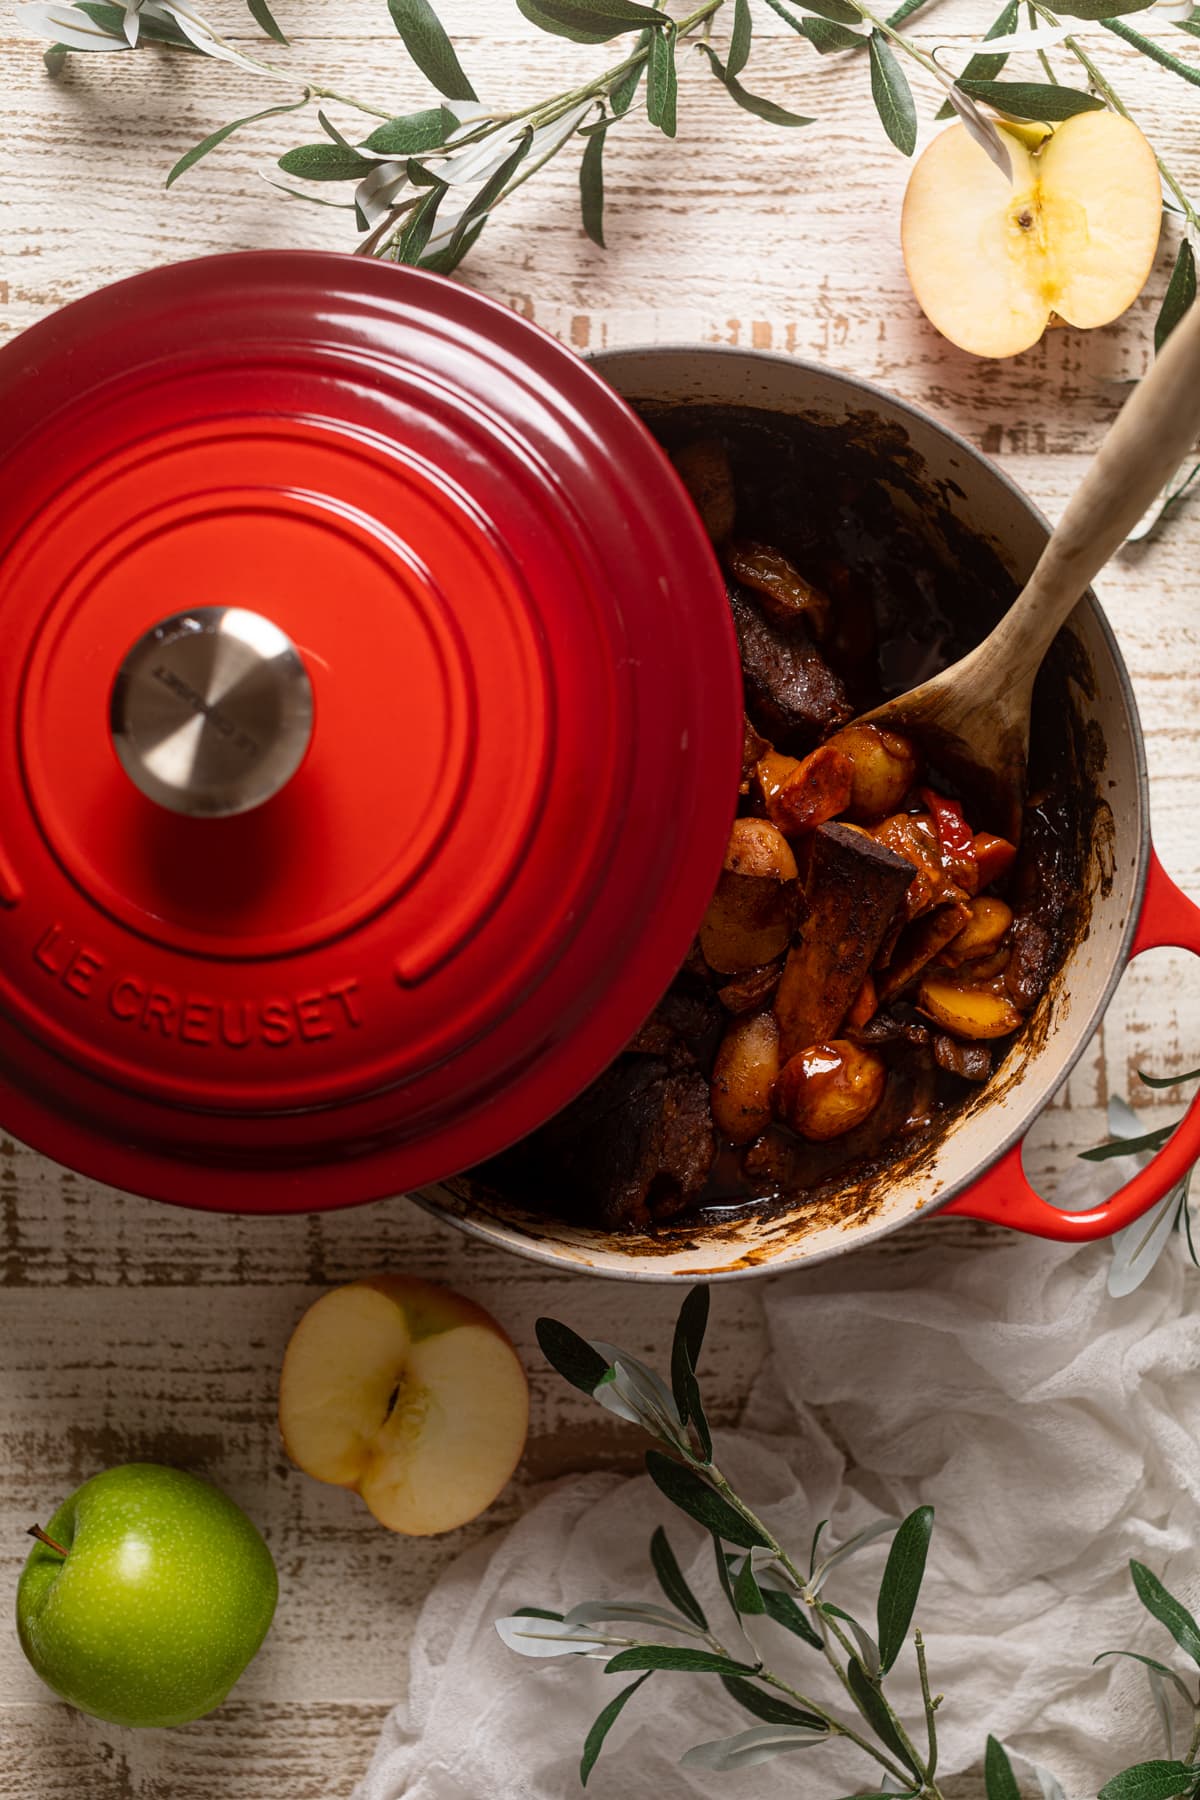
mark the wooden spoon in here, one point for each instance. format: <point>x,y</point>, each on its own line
<point>972,719</point>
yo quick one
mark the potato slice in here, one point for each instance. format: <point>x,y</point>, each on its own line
<point>969,1012</point>
<point>752,915</point>
<point>980,937</point>
<point>743,1076</point>
<point>829,1089</point>
<point>884,767</point>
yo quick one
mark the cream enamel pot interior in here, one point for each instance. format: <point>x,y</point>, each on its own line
<point>1130,904</point>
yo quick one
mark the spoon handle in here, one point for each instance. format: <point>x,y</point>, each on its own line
<point>1153,433</point>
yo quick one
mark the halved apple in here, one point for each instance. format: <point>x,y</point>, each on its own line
<point>408,1394</point>
<point>1074,235</point>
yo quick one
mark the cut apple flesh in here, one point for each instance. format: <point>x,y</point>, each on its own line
<point>1074,234</point>
<point>409,1394</point>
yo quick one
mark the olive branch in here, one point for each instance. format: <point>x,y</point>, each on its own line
<point>763,1589</point>
<point>424,184</point>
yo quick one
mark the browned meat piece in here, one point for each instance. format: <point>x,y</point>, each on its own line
<point>900,1024</point>
<point>854,889</point>
<point>746,993</point>
<point>1031,962</point>
<point>972,1061</point>
<point>636,1146</point>
<point>706,473</point>
<point>754,747</point>
<point>786,595</point>
<point>919,944</point>
<point>791,693</point>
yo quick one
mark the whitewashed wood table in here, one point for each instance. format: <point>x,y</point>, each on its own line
<point>133,1330</point>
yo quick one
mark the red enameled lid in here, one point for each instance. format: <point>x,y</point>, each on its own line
<point>369,730</point>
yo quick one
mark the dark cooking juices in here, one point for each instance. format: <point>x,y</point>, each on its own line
<point>866,594</point>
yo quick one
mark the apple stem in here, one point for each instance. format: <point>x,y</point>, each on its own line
<point>35,1531</point>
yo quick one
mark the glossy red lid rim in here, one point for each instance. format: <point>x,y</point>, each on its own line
<point>450,494</point>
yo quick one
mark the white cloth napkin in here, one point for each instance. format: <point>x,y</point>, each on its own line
<point>1054,1429</point>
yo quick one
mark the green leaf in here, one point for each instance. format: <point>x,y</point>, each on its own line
<point>724,1563</point>
<point>1150,1663</point>
<point>751,103</point>
<point>622,95</point>
<point>816,1539</point>
<point>1100,9</point>
<point>984,67</point>
<point>1150,1781</point>
<point>1180,295</point>
<point>999,1781</point>
<point>446,261</point>
<point>218,137</point>
<point>592,21</point>
<point>791,1615</point>
<point>692,1495</point>
<point>902,1577</point>
<point>876,1712</point>
<point>767,1706</point>
<point>1167,1610</point>
<point>325,162</point>
<point>594,1742</point>
<point>424,37</point>
<point>892,95</point>
<point>826,37</point>
<point>671,1580</point>
<point>571,1355</point>
<point>676,1659</point>
<point>265,19</point>
<point>412,133</point>
<point>685,1354</point>
<point>840,11</point>
<point>1166,1081</point>
<point>1153,1140</point>
<point>535,1612</point>
<point>54,58</point>
<point>1191,25</point>
<point>591,188</point>
<point>688,1341</point>
<point>739,43</point>
<point>662,84</point>
<point>419,230</point>
<point>154,31</point>
<point>1032,99</point>
<point>747,1595</point>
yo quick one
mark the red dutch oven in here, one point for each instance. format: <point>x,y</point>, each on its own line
<point>370,736</point>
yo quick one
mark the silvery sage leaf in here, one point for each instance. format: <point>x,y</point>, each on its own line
<point>200,33</point>
<point>1050,1787</point>
<point>851,1547</point>
<point>868,1649</point>
<point>67,25</point>
<point>548,1637</point>
<point>594,1612</point>
<point>985,64</point>
<point>377,192</point>
<point>636,1391</point>
<point>746,1748</point>
<point>1043,37</point>
<point>1158,1694</point>
<point>1139,1246</point>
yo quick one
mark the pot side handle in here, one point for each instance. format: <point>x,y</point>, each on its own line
<point>1003,1195</point>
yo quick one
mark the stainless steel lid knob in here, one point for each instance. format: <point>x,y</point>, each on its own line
<point>212,712</point>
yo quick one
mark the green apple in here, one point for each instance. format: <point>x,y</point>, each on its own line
<point>146,1596</point>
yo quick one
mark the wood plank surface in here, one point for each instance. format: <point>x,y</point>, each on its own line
<point>134,1330</point>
